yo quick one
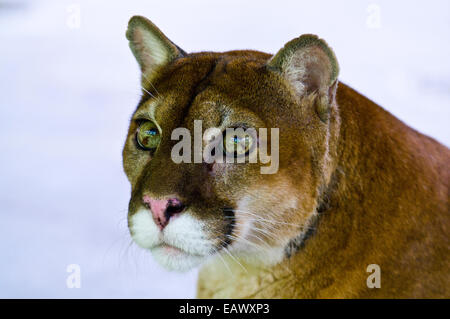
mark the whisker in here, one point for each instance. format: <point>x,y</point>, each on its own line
<point>148,92</point>
<point>224,262</point>
<point>261,230</point>
<point>157,93</point>
<point>231,255</point>
<point>264,219</point>
<point>266,222</point>
<point>237,237</point>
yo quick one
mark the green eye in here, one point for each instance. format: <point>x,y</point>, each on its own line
<point>148,136</point>
<point>238,143</point>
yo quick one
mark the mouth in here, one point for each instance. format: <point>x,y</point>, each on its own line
<point>169,249</point>
<point>174,258</point>
<point>173,251</point>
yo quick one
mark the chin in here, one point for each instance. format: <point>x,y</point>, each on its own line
<point>174,259</point>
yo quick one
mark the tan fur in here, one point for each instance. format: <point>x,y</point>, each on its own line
<point>355,185</point>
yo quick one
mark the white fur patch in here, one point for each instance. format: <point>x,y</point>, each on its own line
<point>181,245</point>
<point>247,246</point>
<point>144,230</point>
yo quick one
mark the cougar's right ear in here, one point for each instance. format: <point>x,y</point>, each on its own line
<point>152,49</point>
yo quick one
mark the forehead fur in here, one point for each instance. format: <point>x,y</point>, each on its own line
<point>208,85</point>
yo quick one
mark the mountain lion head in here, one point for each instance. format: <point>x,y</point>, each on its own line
<point>186,212</point>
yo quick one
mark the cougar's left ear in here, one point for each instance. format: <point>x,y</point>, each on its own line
<point>310,66</point>
<point>152,49</point>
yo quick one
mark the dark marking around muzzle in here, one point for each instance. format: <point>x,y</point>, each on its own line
<point>230,222</point>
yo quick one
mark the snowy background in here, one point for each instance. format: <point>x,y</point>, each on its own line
<point>68,85</point>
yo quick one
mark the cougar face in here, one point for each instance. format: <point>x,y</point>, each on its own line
<point>187,212</point>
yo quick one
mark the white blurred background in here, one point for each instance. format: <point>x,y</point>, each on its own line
<point>68,85</point>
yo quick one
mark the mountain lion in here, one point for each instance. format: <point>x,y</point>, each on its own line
<point>357,208</point>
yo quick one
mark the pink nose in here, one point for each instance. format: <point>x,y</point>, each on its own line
<point>163,209</point>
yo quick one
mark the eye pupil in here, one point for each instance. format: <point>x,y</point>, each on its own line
<point>148,136</point>
<point>239,144</point>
